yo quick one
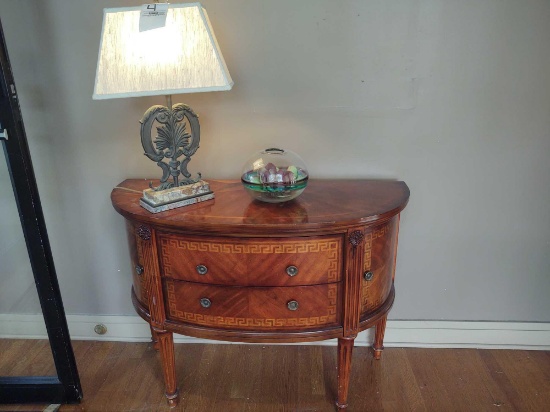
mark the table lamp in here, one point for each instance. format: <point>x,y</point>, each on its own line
<point>162,49</point>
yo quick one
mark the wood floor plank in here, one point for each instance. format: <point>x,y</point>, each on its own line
<point>542,360</point>
<point>365,381</point>
<point>256,354</point>
<point>530,381</point>
<point>428,367</point>
<point>399,390</point>
<point>119,376</point>
<point>39,360</point>
<point>508,387</point>
<point>19,358</point>
<point>316,374</point>
<point>210,383</point>
<point>97,364</point>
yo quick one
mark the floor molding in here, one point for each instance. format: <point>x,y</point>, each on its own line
<point>399,333</point>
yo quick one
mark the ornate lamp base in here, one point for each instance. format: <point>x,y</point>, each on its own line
<point>172,142</point>
<point>159,201</point>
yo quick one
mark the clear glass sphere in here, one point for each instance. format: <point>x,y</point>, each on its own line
<point>274,175</point>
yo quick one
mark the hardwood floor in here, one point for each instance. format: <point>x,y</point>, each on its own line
<point>127,377</point>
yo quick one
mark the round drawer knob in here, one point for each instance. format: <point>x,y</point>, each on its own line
<point>292,271</point>
<point>368,276</point>
<point>139,269</point>
<point>292,305</point>
<point>201,269</point>
<point>206,303</point>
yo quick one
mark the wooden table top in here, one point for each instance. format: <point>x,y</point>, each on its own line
<point>325,204</point>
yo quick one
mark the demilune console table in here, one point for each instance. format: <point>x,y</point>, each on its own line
<point>318,267</point>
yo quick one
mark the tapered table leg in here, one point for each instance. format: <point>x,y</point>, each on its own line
<point>345,348</point>
<point>154,339</point>
<point>166,347</point>
<point>378,344</point>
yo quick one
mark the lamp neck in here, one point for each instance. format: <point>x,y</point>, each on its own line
<point>169,101</point>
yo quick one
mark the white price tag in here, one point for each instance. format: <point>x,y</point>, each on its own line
<point>153,16</point>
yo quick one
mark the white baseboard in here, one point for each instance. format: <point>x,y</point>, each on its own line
<point>399,333</point>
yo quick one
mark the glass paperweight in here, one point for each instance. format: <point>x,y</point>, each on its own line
<point>275,175</point>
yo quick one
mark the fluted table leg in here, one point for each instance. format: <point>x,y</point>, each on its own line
<point>154,339</point>
<point>166,346</point>
<point>345,348</point>
<point>378,344</point>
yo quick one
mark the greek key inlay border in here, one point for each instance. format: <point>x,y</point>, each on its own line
<point>327,247</point>
<point>211,320</point>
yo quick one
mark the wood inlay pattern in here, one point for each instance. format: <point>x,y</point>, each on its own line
<point>366,267</point>
<point>248,322</point>
<point>380,232</point>
<point>145,278</point>
<point>283,247</point>
<point>380,238</point>
<point>252,261</point>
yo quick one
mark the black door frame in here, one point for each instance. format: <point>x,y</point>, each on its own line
<point>65,387</point>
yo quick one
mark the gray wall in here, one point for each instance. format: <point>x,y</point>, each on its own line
<point>451,96</point>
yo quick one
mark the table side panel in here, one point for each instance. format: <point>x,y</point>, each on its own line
<point>379,259</point>
<point>140,281</point>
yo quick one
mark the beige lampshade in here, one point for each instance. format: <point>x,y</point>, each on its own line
<point>181,57</point>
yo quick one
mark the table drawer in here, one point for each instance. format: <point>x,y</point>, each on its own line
<point>258,308</point>
<point>251,261</point>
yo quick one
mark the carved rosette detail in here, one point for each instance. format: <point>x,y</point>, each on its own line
<point>144,232</point>
<point>356,238</point>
